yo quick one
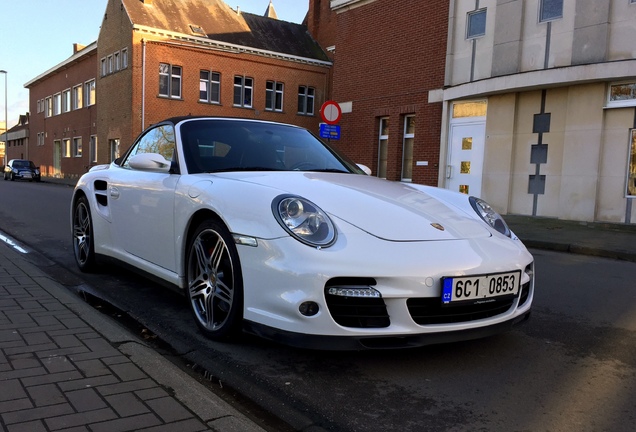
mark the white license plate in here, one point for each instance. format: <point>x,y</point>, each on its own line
<point>26,174</point>
<point>480,288</point>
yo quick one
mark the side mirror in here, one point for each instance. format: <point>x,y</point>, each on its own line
<point>150,162</point>
<point>365,168</point>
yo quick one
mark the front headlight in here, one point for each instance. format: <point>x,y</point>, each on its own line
<point>489,215</point>
<point>304,220</point>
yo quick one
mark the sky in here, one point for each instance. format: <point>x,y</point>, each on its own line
<point>37,35</point>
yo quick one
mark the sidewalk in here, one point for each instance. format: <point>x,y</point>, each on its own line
<point>66,367</point>
<point>607,240</point>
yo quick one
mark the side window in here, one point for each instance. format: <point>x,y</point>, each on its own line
<point>157,140</point>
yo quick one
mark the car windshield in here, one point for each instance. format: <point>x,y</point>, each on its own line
<point>217,145</point>
<point>23,164</point>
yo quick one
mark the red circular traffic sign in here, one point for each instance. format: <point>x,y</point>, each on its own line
<point>330,112</point>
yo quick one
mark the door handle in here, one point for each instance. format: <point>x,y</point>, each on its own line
<point>449,171</point>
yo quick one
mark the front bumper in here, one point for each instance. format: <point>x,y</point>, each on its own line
<point>281,275</point>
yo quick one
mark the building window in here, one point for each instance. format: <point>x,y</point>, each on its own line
<point>274,96</point>
<point>306,96</point>
<point>104,68</point>
<point>66,147</point>
<point>89,93</point>
<point>57,104</point>
<point>210,87</point>
<point>110,64</point>
<point>117,61</point>
<point>550,10</point>
<point>124,58</point>
<point>77,97</point>
<point>476,24</point>
<point>169,81</point>
<point>243,88</point>
<point>631,167</point>
<point>113,146</point>
<point>48,109</point>
<point>407,148</point>
<point>383,148</point>
<point>66,100</point>
<point>621,95</point>
<point>92,149</point>
<point>77,147</point>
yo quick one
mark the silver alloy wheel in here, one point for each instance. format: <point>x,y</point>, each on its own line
<point>83,235</point>
<point>211,284</point>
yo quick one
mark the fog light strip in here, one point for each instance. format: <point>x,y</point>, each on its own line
<point>354,292</point>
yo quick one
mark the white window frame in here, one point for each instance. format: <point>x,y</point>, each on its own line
<point>48,109</point>
<point>104,69</point>
<point>306,94</point>
<point>172,76</point>
<point>57,104</point>
<point>277,89</point>
<point>383,138</point>
<point>621,103</point>
<point>89,93</point>
<point>124,58</point>
<point>77,97</point>
<point>66,147</point>
<point>77,147</point>
<point>245,91</point>
<point>110,64</point>
<point>66,100</point>
<point>117,60</point>
<point>407,136</point>
<point>92,149</point>
<point>551,18</point>
<point>208,84</point>
<point>471,14</point>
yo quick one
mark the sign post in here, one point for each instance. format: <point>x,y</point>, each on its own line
<point>331,114</point>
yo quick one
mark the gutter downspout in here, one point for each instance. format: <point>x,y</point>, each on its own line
<point>143,85</point>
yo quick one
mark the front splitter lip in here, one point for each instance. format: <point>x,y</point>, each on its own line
<point>361,343</point>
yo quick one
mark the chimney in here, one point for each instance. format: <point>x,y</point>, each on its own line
<point>78,47</point>
<point>148,2</point>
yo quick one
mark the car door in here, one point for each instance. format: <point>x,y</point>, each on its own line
<point>142,202</point>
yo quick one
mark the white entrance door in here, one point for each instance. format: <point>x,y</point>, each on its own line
<point>57,159</point>
<point>466,157</point>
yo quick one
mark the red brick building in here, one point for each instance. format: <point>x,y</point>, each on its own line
<point>389,55</point>
<point>150,63</point>
<point>62,124</point>
<point>206,60</point>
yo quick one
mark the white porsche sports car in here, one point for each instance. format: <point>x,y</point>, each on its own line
<point>267,229</point>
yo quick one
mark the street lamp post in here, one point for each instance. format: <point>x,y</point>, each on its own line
<point>6,118</point>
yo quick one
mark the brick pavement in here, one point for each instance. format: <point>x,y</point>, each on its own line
<point>66,367</point>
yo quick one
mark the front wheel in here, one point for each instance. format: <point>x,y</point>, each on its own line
<point>83,246</point>
<point>214,281</point>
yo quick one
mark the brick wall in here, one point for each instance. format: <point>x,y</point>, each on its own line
<point>389,55</point>
<point>80,123</point>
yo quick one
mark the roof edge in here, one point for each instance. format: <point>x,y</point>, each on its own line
<point>89,49</point>
<point>226,46</point>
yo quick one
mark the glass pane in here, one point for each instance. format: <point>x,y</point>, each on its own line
<point>383,156</point>
<point>407,160</point>
<point>622,92</point>
<point>465,167</point>
<point>463,189</point>
<point>551,9</point>
<point>470,109</point>
<point>163,85</point>
<point>384,127</point>
<point>410,125</point>
<point>237,95</point>
<point>216,93</point>
<point>477,23</point>
<point>467,143</point>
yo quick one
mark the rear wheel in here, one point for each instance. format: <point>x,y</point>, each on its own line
<point>214,281</point>
<point>83,245</point>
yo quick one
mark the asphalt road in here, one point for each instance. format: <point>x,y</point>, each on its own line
<point>571,367</point>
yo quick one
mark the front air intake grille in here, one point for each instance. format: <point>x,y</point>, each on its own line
<point>427,311</point>
<point>356,311</point>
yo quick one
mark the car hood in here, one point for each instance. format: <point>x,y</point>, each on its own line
<point>388,210</point>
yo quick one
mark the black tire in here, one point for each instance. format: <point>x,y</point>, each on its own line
<point>12,177</point>
<point>214,281</point>
<point>83,240</point>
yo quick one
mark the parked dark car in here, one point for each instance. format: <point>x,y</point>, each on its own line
<point>21,169</point>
